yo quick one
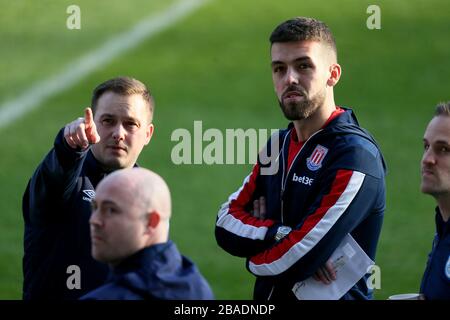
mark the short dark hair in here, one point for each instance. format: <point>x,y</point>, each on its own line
<point>442,109</point>
<point>301,29</point>
<point>126,86</point>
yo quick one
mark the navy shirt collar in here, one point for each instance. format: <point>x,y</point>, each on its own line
<point>94,170</point>
<point>442,227</point>
<point>138,260</point>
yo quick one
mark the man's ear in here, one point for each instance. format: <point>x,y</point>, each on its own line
<point>149,133</point>
<point>335,74</point>
<point>153,220</point>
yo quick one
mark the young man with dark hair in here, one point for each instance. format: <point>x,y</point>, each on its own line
<point>436,182</point>
<point>330,181</point>
<point>56,203</point>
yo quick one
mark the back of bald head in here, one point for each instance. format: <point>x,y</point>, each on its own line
<point>146,188</point>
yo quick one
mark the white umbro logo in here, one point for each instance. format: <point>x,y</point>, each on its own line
<point>90,195</point>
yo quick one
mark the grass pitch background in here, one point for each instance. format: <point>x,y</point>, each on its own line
<point>214,66</point>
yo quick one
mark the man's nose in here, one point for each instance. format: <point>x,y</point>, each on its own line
<point>119,132</point>
<point>94,220</point>
<point>292,76</point>
<point>428,157</point>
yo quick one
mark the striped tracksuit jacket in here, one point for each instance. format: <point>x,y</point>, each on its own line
<point>334,186</point>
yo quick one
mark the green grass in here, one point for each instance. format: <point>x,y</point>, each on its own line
<point>36,42</point>
<point>214,66</point>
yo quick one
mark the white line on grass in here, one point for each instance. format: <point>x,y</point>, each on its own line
<point>78,69</point>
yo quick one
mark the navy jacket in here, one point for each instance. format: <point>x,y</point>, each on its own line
<point>56,211</point>
<point>436,279</point>
<point>335,186</point>
<point>156,272</point>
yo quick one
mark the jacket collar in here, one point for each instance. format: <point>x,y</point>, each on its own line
<point>345,123</point>
<point>149,256</point>
<point>442,227</point>
<point>94,170</point>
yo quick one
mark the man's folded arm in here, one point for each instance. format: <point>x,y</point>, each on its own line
<point>346,199</point>
<point>237,231</point>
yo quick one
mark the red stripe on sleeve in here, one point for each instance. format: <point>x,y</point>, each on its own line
<point>338,187</point>
<point>236,207</point>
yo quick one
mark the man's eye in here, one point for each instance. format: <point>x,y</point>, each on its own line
<point>445,149</point>
<point>107,121</point>
<point>277,69</point>
<point>303,66</point>
<point>131,124</point>
<point>426,146</point>
<point>110,210</point>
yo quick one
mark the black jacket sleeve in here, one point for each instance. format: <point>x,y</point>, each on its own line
<point>54,179</point>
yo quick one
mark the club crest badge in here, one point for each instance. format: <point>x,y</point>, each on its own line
<point>314,162</point>
<point>447,268</point>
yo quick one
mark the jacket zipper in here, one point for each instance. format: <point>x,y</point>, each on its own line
<point>284,178</point>
<point>270,294</point>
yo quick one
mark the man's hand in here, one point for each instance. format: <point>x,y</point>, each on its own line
<point>259,208</point>
<point>325,274</point>
<point>82,132</point>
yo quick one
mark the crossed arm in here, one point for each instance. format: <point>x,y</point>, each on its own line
<point>346,197</point>
<point>325,274</point>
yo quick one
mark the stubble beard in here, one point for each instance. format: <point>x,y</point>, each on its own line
<point>434,188</point>
<point>303,109</point>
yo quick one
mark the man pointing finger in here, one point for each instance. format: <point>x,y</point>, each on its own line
<point>82,132</point>
<point>56,203</point>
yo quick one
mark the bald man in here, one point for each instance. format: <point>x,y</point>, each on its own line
<point>130,232</point>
